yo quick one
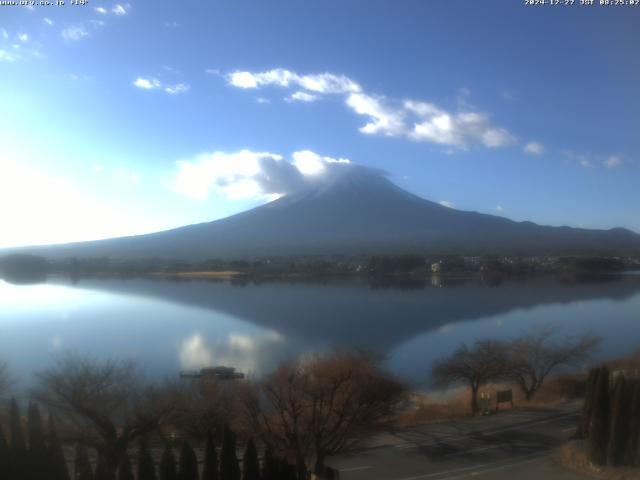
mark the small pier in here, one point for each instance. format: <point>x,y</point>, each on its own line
<point>213,373</point>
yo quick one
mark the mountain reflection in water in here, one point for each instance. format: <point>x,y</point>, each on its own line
<point>169,325</point>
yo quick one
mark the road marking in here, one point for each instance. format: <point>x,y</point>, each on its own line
<point>492,465</point>
<point>355,469</point>
<point>495,469</point>
<point>484,433</point>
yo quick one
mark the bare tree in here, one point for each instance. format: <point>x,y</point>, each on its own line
<point>320,406</point>
<point>484,362</point>
<point>5,378</point>
<point>107,402</point>
<point>533,357</point>
<point>198,411</point>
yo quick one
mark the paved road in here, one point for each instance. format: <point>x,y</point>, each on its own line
<point>519,444</point>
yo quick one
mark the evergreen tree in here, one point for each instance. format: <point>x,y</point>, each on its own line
<point>250,463</point>
<point>17,447</point>
<point>168,469</point>
<point>634,424</point>
<point>146,468</point>
<point>269,465</point>
<point>103,471</point>
<point>587,406</point>
<point>210,469</point>
<point>57,463</point>
<point>286,471</point>
<point>188,463</point>
<point>37,452</point>
<point>229,468</point>
<point>617,449</point>
<point>124,468</point>
<point>4,456</point>
<point>600,419</point>
<point>82,466</point>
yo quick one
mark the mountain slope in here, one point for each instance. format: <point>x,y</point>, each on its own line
<point>360,212</point>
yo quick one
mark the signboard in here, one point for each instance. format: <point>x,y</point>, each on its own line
<point>504,396</point>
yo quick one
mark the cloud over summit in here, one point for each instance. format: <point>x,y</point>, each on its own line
<point>254,175</point>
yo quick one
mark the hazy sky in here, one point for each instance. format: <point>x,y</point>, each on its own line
<point>122,118</point>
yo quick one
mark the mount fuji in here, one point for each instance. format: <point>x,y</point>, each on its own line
<point>354,211</point>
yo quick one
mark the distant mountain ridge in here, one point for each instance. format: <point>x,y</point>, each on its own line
<point>358,211</point>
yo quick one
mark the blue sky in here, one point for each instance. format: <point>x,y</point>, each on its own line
<point>123,118</point>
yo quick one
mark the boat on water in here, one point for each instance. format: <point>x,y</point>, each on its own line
<point>214,373</point>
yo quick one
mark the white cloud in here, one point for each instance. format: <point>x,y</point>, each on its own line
<point>246,174</point>
<point>412,119</point>
<point>76,77</point>
<point>153,83</point>
<point>177,88</point>
<point>508,95</point>
<point>74,33</point>
<point>302,97</point>
<point>48,21</point>
<point>171,24</point>
<point>323,83</point>
<point>23,37</point>
<point>310,163</point>
<point>7,56</point>
<point>499,208</point>
<point>127,176</point>
<point>458,130</point>
<point>585,163</point>
<point>446,203</point>
<point>263,100</point>
<point>534,148</point>
<point>147,83</point>
<point>613,161</point>
<point>101,10</point>
<point>120,9</point>
<point>5,34</point>
<point>384,120</point>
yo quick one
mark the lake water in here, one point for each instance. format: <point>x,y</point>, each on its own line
<point>168,326</point>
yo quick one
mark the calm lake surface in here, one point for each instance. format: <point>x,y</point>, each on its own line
<point>168,326</point>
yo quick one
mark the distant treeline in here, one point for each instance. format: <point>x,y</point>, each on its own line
<point>22,267</point>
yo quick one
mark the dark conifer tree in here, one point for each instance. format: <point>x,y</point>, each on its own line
<point>103,471</point>
<point>250,463</point>
<point>617,449</point>
<point>286,471</point>
<point>37,450</point>
<point>210,468</point>
<point>229,467</point>
<point>634,434</point>
<point>57,463</point>
<point>17,445</point>
<point>168,469</point>
<point>188,463</point>
<point>124,468</point>
<point>587,406</point>
<point>600,420</point>
<point>82,466</point>
<point>269,465</point>
<point>4,456</point>
<point>146,468</point>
